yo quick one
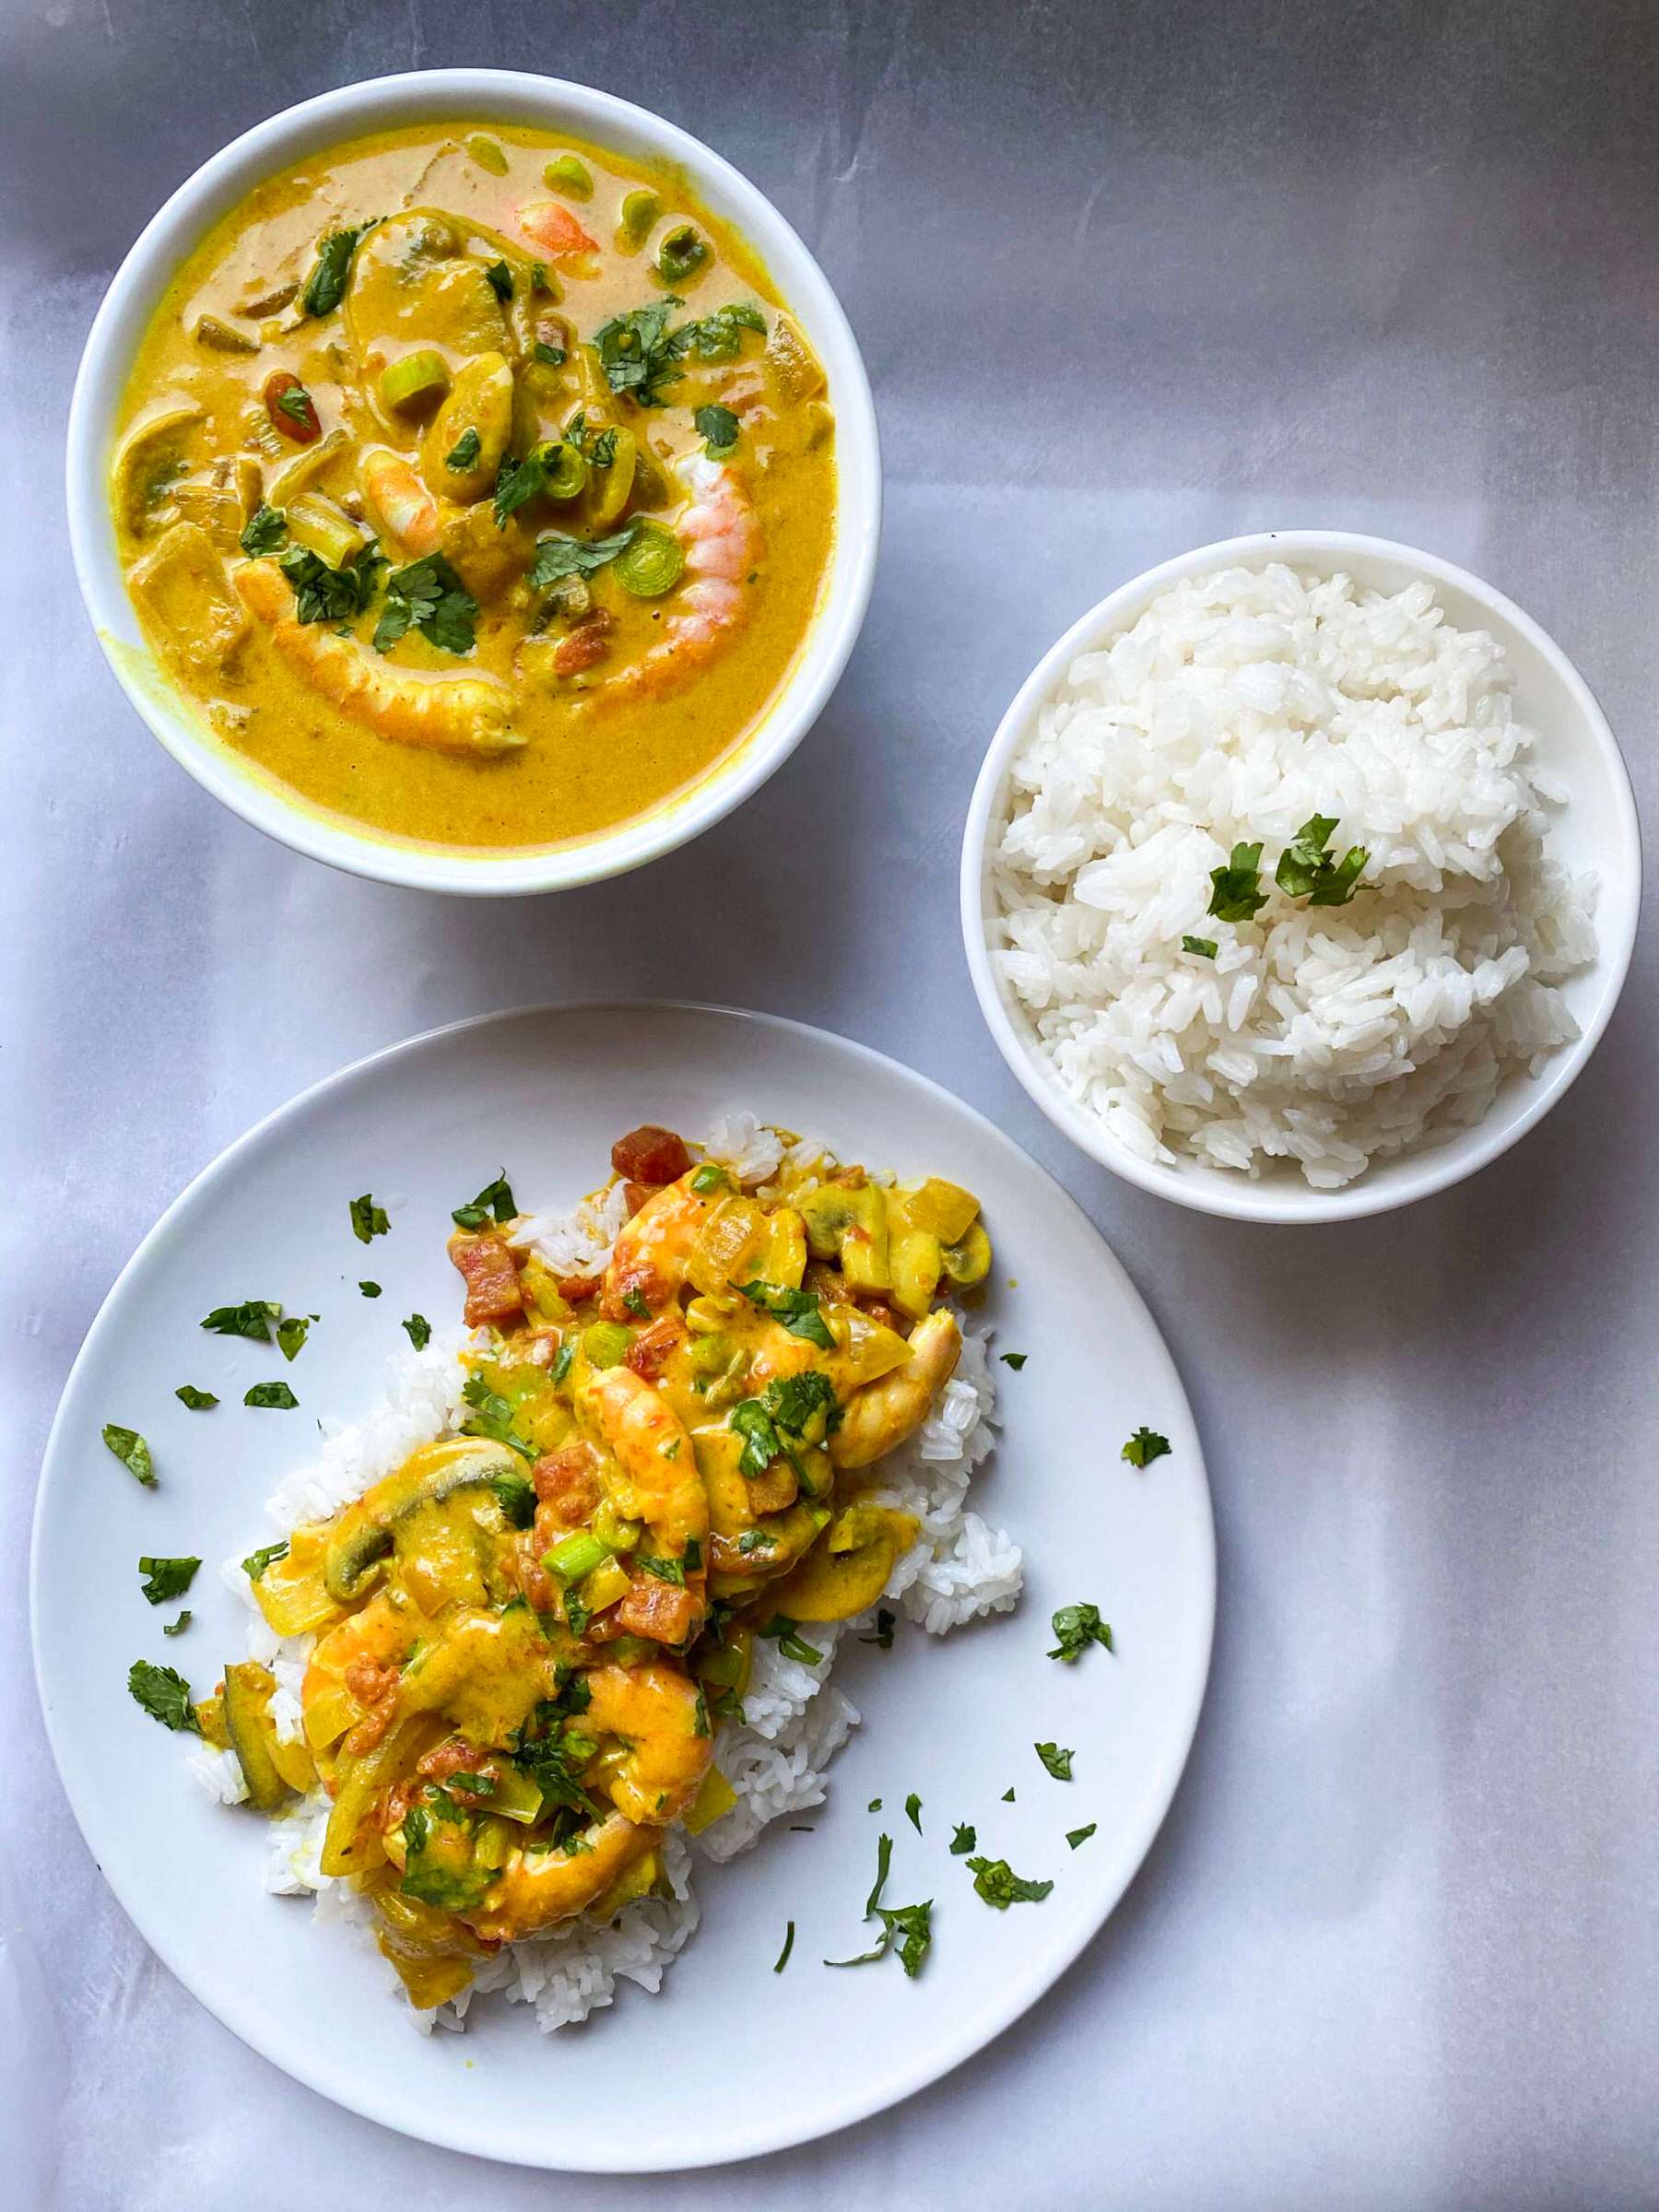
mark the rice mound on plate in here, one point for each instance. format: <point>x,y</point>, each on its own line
<point>795,1719</point>
<point>1238,706</point>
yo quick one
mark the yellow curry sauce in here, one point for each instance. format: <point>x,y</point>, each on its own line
<point>526,1638</point>
<point>476,484</point>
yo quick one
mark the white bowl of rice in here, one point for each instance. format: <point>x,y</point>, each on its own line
<point>1420,958</point>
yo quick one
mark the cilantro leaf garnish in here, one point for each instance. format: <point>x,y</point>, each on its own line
<point>908,1926</point>
<point>264,530</point>
<point>1075,1836</point>
<point>166,1578</point>
<point>1014,1359</point>
<point>885,1622</point>
<point>164,1695</point>
<point>637,354</point>
<point>1234,895</point>
<point>275,1396</point>
<point>370,1290</point>
<point>325,595</point>
<point>419,1330</point>
<point>197,1400</point>
<point>665,1571</point>
<point>781,1630</point>
<point>368,1220</point>
<point>1205,948</point>
<point>797,1310</point>
<point>255,1318</point>
<point>795,1401</point>
<point>132,1451</point>
<point>1056,1760</point>
<point>498,277</point>
<point>1077,1627</point>
<point>515,1494</point>
<point>782,1959</point>
<point>719,336</point>
<point>559,556</point>
<point>177,1628</point>
<point>1306,870</point>
<point>912,1806</point>
<point>493,1416</point>
<point>292,1334</point>
<point>965,1840</point>
<point>1145,1446</point>
<point>761,1442</point>
<point>429,596</point>
<point>254,1565</point>
<point>463,453</point>
<point>996,1882</point>
<point>718,427</point>
<point>326,285</point>
<point>494,1198</point>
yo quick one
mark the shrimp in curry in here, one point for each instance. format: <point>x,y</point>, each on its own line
<point>528,1635</point>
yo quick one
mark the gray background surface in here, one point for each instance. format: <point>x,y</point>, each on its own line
<point>1127,279</point>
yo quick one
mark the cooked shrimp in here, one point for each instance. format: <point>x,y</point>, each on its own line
<point>549,225</point>
<point>655,1710</point>
<point>721,534</point>
<point>407,510</point>
<point>535,1888</point>
<point>660,1484</point>
<point>654,1249</point>
<point>352,1672</point>
<point>467,714</point>
<point>885,1412</point>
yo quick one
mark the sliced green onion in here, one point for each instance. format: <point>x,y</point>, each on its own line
<point>606,1343</point>
<point>568,175</point>
<point>567,472</point>
<point>575,1555</point>
<point>652,562</point>
<point>417,376</point>
<point>487,154</point>
<point>640,210</point>
<point>680,252</point>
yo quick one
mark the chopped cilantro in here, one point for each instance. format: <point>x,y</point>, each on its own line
<point>908,1926</point>
<point>166,1578</point>
<point>429,596</point>
<point>494,1198</point>
<point>638,355</point>
<point>912,1806</point>
<point>788,1947</point>
<point>197,1400</point>
<point>1057,1761</point>
<point>1014,1359</point>
<point>792,1401</point>
<point>291,1332</point>
<point>277,1395</point>
<point>498,277</point>
<point>493,1416</point>
<point>325,595</point>
<point>781,1630</point>
<point>325,287</point>
<point>1075,1836</point>
<point>965,1840</point>
<point>254,1565</point>
<point>1234,895</point>
<point>996,1882</point>
<point>164,1695</point>
<point>463,453</point>
<point>635,1303</point>
<point>664,1570</point>
<point>1306,869</point>
<point>254,1318</point>
<point>563,1359</point>
<point>370,1290</point>
<point>515,1494</point>
<point>368,1220</point>
<point>1205,948</point>
<point>177,1628</point>
<point>1145,1446</point>
<point>884,1623</point>
<point>761,1442</point>
<point>557,555</point>
<point>1077,1626</point>
<point>1007,1796</point>
<point>797,1310</point>
<point>264,530</point>
<point>719,336</point>
<point>132,1453</point>
<point>552,357</point>
<point>419,1330</point>
<point>874,1805</point>
<point>718,427</point>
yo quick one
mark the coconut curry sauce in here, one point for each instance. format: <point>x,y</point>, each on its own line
<point>476,484</point>
<point>529,1636</point>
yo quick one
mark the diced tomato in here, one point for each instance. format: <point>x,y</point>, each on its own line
<point>550,225</point>
<point>649,1155</point>
<point>662,1611</point>
<point>291,407</point>
<point>567,1483</point>
<point>492,1279</point>
<point>648,1354</point>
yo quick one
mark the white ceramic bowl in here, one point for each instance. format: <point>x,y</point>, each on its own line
<point>484,96</point>
<point>1597,830</point>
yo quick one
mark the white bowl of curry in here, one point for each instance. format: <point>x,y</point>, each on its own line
<point>474,482</point>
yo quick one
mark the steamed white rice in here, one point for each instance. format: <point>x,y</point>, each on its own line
<point>1239,705</point>
<point>795,1719</point>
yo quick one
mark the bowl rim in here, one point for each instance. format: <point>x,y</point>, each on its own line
<point>505,96</point>
<point>1416,1175</point>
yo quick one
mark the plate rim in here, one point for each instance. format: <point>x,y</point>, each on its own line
<point>939,2057</point>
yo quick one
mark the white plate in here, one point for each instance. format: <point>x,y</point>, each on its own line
<point>743,2061</point>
